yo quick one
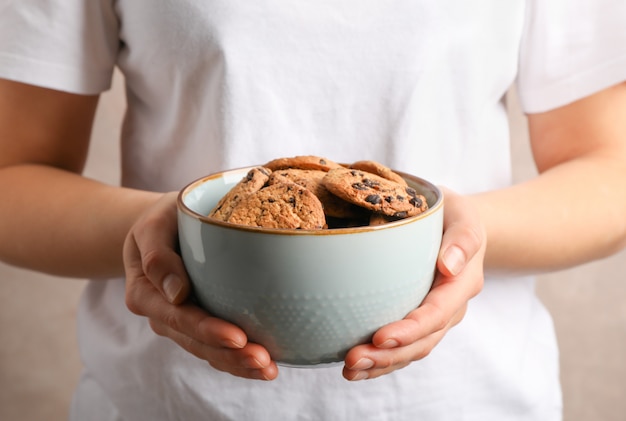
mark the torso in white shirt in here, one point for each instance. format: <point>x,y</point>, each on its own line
<point>219,83</point>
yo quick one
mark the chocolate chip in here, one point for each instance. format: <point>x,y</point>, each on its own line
<point>416,201</point>
<point>389,199</point>
<point>359,186</point>
<point>374,199</point>
<point>371,183</point>
<point>323,161</point>
<point>411,192</point>
<point>402,214</point>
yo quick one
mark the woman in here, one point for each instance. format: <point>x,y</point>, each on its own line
<point>220,84</point>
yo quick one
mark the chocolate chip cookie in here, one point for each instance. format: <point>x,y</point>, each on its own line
<point>379,169</point>
<point>334,206</point>
<point>253,181</point>
<point>303,162</point>
<point>282,205</point>
<point>374,192</point>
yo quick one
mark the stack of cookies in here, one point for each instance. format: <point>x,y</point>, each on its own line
<point>311,193</point>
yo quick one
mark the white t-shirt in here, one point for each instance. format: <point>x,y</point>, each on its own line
<point>418,85</point>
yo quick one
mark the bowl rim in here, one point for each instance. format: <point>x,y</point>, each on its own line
<point>182,207</point>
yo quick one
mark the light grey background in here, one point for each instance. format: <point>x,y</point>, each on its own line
<point>39,362</point>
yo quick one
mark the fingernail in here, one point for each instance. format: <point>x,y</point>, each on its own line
<point>252,362</point>
<point>361,375</point>
<point>389,343</point>
<point>363,364</point>
<point>227,343</point>
<point>454,259</point>
<point>172,286</point>
<point>260,375</point>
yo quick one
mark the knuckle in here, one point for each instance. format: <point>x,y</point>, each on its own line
<point>151,260</point>
<point>423,353</point>
<point>148,222</point>
<point>414,323</point>
<point>132,304</point>
<point>191,346</point>
<point>429,319</point>
<point>156,327</point>
<point>133,298</point>
<point>478,286</point>
<point>473,237</point>
<point>402,365</point>
<point>169,319</point>
<point>385,363</point>
<point>439,321</point>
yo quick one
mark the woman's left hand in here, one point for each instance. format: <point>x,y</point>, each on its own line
<point>459,277</point>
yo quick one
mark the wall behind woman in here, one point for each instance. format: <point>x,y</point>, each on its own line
<point>39,362</point>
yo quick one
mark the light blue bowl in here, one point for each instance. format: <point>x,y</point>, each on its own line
<point>307,296</point>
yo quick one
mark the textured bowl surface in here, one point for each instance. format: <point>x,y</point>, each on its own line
<point>307,296</point>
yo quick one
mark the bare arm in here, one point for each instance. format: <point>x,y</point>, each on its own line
<point>574,211</point>
<point>51,218</point>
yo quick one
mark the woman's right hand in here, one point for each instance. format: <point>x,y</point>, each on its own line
<point>157,287</point>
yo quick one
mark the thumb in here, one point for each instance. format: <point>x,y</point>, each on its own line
<point>150,251</point>
<point>463,234</point>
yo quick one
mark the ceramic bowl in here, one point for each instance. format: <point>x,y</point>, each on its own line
<point>307,296</point>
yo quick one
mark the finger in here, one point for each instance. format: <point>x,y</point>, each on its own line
<point>463,235</point>
<point>144,299</point>
<point>368,361</point>
<point>251,356</point>
<point>221,343</point>
<point>132,259</point>
<point>173,287</point>
<point>446,300</point>
<point>266,373</point>
<point>156,239</point>
<point>251,362</point>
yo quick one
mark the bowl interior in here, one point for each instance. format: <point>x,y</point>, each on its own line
<point>202,195</point>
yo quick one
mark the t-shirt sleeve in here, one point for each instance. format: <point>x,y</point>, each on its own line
<point>570,49</point>
<point>67,45</point>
